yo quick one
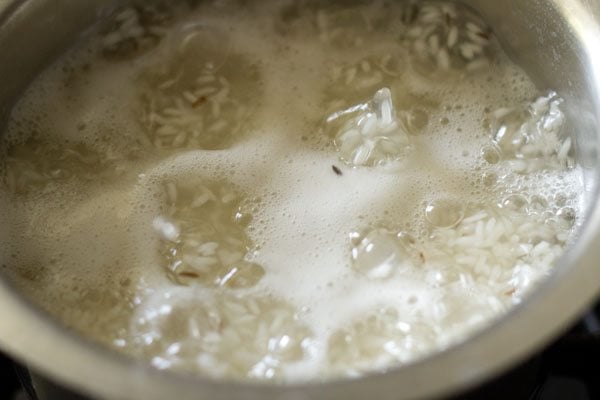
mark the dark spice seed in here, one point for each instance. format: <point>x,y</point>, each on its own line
<point>186,274</point>
<point>337,170</point>
<point>201,100</point>
<point>484,35</point>
<point>410,14</point>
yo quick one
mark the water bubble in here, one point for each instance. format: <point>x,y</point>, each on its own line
<point>491,154</point>
<point>370,134</point>
<point>198,38</point>
<point>567,215</point>
<point>355,238</point>
<point>444,213</point>
<point>560,199</point>
<point>548,215</point>
<point>515,202</point>
<point>380,253</point>
<point>489,178</point>
<point>537,204</point>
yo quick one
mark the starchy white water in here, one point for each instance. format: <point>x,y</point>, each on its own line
<point>284,190</point>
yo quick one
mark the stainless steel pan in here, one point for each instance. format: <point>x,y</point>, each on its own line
<point>556,41</point>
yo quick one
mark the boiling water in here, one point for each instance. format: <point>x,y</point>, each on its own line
<point>287,190</point>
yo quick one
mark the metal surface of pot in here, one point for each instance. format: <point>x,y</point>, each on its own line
<point>556,41</point>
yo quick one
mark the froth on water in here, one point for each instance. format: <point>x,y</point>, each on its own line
<point>286,191</point>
